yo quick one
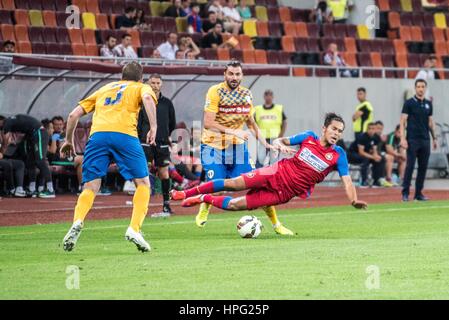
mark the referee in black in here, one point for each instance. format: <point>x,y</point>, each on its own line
<point>166,123</point>
<point>417,119</point>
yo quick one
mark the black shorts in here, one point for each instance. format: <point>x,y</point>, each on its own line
<point>159,153</point>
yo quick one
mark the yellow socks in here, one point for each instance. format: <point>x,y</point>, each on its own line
<point>140,207</point>
<point>271,213</point>
<point>84,204</point>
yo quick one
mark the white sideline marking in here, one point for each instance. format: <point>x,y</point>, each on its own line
<point>229,219</point>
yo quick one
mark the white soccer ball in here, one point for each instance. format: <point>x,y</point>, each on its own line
<point>249,227</point>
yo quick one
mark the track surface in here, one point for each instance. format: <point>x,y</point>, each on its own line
<point>17,212</point>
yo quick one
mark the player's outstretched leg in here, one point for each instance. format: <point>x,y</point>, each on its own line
<point>222,202</point>
<point>277,225</point>
<point>140,209</point>
<point>83,206</point>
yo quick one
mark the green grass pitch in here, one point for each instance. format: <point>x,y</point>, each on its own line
<point>335,256</point>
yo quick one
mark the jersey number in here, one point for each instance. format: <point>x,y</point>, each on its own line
<point>118,97</point>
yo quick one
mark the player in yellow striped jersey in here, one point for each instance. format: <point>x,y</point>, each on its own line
<point>224,152</point>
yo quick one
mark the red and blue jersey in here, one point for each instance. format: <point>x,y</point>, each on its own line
<point>310,165</point>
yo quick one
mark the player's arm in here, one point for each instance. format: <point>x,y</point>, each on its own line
<point>343,170</point>
<point>283,142</point>
<point>68,148</point>
<point>150,109</point>
<point>432,132</point>
<point>254,128</point>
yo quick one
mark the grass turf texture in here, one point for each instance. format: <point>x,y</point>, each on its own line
<point>328,259</point>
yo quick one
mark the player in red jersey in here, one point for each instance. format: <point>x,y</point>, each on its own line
<point>279,183</point>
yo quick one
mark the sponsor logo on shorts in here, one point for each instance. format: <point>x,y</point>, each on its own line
<point>314,161</point>
<point>210,174</point>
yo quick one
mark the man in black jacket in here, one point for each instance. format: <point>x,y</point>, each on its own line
<point>166,123</point>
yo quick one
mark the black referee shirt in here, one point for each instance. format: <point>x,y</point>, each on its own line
<point>418,112</point>
<point>166,121</point>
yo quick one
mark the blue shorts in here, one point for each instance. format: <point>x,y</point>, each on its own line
<point>224,164</point>
<point>125,150</point>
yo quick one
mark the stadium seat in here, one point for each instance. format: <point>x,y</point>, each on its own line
<point>147,52</point>
<point>223,54</point>
<point>285,14</point>
<point>376,59</point>
<point>60,5</point>
<point>273,56</point>
<point>428,19</point>
<point>36,4</point>
<point>89,36</point>
<point>406,5</point>
<point>81,4</point>
<point>288,44</point>
<point>285,57</point>
<point>413,62</point>
<point>24,47</point>
<point>376,45</point>
<point>417,5</point>
<point>250,28</point>
<point>92,50</point>
<point>156,9</point>
<point>248,56</point>
<point>36,18</point>
<point>164,6</point>
<point>350,45</point>
<point>388,46</point>
<point>363,32</point>
<point>262,29</point>
<point>78,49</point>
<point>92,6</point>
<point>8,4</point>
<point>261,13</point>
<point>384,5</point>
<point>89,21</point>
<point>170,24</point>
<point>416,33</point>
<point>401,60</point>
<point>21,17</point>
<point>406,19</point>
<point>290,28</point>
<point>394,20</point>
<point>273,15</point>
<point>146,38</point>
<point>313,45</point>
<point>38,48</point>
<point>301,45</point>
<point>442,37</point>
<point>62,35</point>
<point>102,21</point>
<point>21,33</point>
<point>76,36</point>
<point>427,34</point>
<point>22,4</point>
<point>135,38</point>
<point>272,3</point>
<point>157,24</point>
<point>328,30</point>
<point>351,30</point>
<point>5,17</point>
<point>340,31</point>
<point>299,72</point>
<point>275,29</point>
<point>300,15</point>
<point>405,34</point>
<point>35,34</point>
<point>440,48</point>
<point>8,32</point>
<point>49,18</point>
<point>301,30</point>
<point>440,20</point>
<point>261,56</point>
<point>350,58</point>
<point>158,38</point>
<point>399,46</point>
<point>181,24</point>
<point>49,35</point>
<point>118,6</point>
<point>364,45</point>
<point>313,30</point>
<point>61,18</point>
<point>105,6</point>
<point>245,42</point>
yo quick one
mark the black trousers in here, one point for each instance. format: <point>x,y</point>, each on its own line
<point>36,147</point>
<point>13,171</point>
<point>417,149</point>
<point>377,167</point>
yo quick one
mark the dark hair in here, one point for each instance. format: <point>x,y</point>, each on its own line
<point>233,63</point>
<point>126,35</point>
<point>170,33</point>
<point>420,80</point>
<point>192,5</point>
<point>211,12</point>
<point>155,76</point>
<point>2,117</point>
<point>109,38</point>
<point>361,89</point>
<point>371,124</point>
<point>46,123</point>
<point>398,127</point>
<point>331,116</point>
<point>57,118</point>
<point>8,42</point>
<point>132,71</point>
<point>129,9</point>
<point>322,5</point>
<point>379,122</point>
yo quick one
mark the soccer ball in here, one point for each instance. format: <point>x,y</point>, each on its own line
<point>249,227</point>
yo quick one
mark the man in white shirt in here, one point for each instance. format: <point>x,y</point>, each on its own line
<point>108,48</point>
<point>428,73</point>
<point>168,49</point>
<point>125,49</point>
<point>233,21</point>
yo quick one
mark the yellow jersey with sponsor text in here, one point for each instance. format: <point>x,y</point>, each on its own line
<point>116,106</point>
<point>233,108</point>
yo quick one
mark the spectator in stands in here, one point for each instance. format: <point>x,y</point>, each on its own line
<point>194,21</point>
<point>213,39</point>
<point>186,6</point>
<point>215,6</point>
<point>187,47</point>
<point>428,73</point>
<point>9,47</point>
<point>53,143</point>
<point>340,9</point>
<point>168,49</point>
<point>127,20</point>
<point>363,114</point>
<point>382,149</point>
<point>365,151</point>
<point>175,10</point>
<point>140,20</point>
<point>333,58</point>
<point>13,170</point>
<point>272,122</point>
<point>233,21</point>
<point>107,50</point>
<point>210,23</point>
<point>398,153</point>
<point>125,49</point>
<point>244,10</point>
<point>156,54</point>
<point>322,13</point>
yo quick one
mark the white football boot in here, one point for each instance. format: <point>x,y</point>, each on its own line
<point>137,239</point>
<point>72,236</point>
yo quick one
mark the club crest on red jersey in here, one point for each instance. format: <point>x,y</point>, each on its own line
<point>329,156</point>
